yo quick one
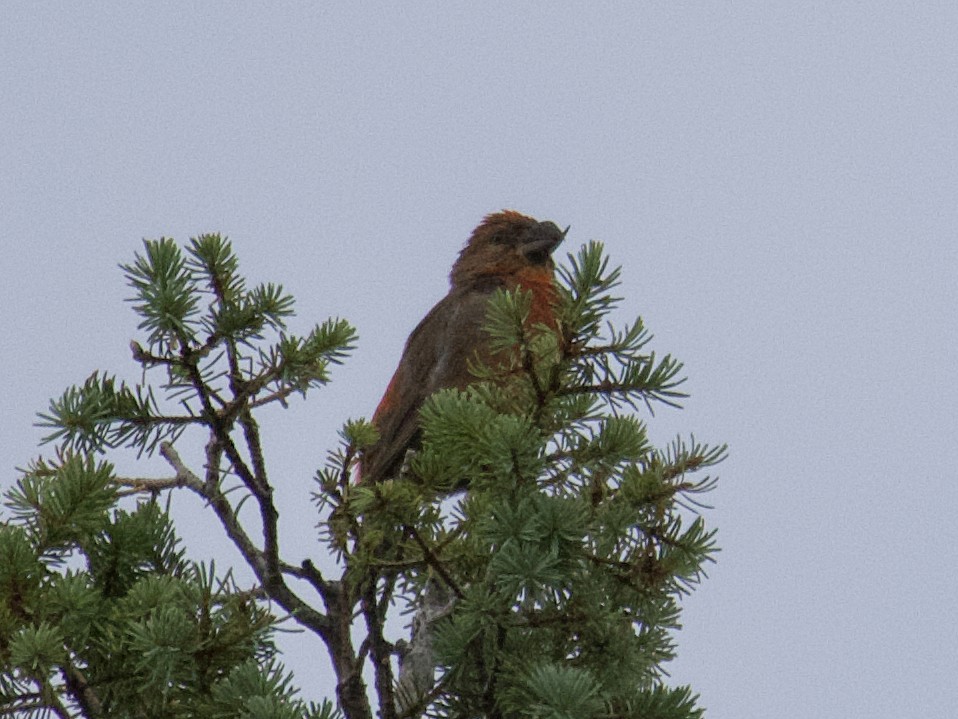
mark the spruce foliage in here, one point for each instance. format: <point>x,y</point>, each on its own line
<point>539,542</point>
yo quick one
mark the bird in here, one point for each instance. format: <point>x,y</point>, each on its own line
<point>509,251</point>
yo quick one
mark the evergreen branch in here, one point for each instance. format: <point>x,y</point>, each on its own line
<point>265,563</point>
<point>491,705</point>
<point>307,571</point>
<point>529,367</point>
<point>144,485</point>
<point>610,388</point>
<point>81,691</point>
<point>51,699</point>
<point>271,579</point>
<point>185,477</point>
<point>165,292</point>
<point>245,390</point>
<point>161,420</point>
<point>219,426</point>
<point>143,357</point>
<point>350,687</point>
<point>269,515</point>
<point>148,359</point>
<point>580,569</point>
<point>400,565</point>
<point>415,708</point>
<point>434,562</point>
<point>279,395</point>
<point>533,619</point>
<point>380,651</point>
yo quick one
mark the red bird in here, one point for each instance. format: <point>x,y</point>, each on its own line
<point>507,250</point>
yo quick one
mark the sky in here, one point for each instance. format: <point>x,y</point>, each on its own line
<point>778,181</point>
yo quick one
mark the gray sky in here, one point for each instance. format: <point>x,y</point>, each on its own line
<point>779,181</point>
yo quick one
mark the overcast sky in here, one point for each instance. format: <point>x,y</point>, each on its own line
<point>779,182</point>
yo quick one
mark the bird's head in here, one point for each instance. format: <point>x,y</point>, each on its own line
<point>505,244</point>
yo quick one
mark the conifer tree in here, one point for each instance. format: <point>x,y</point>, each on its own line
<point>538,541</point>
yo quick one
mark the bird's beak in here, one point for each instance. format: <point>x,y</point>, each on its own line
<point>542,245</point>
<point>549,237</point>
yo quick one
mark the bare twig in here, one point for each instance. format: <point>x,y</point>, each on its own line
<point>184,475</point>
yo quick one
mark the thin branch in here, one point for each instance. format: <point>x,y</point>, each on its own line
<point>433,561</point>
<point>380,651</point>
<point>148,358</point>
<point>184,475</point>
<point>145,357</point>
<point>528,364</point>
<point>244,390</point>
<point>224,510</point>
<point>424,701</point>
<point>272,582</point>
<point>268,512</point>
<point>81,691</point>
<point>51,699</point>
<point>489,694</point>
<point>279,395</point>
<point>306,571</point>
<point>216,422</point>
<point>139,485</point>
<point>265,563</point>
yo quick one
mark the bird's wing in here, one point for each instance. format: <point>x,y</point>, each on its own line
<point>436,357</point>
